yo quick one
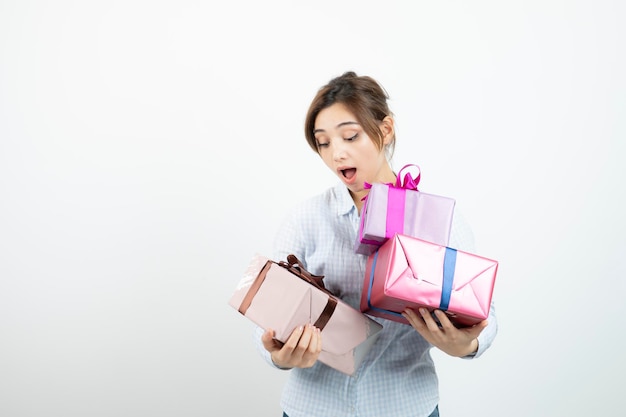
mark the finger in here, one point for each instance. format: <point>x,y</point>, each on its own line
<point>305,354</point>
<point>429,320</point>
<point>408,313</point>
<point>318,347</point>
<point>314,347</point>
<point>482,325</point>
<point>315,344</point>
<point>305,340</point>
<point>413,319</point>
<point>292,342</point>
<point>268,340</point>
<point>476,329</point>
<point>444,320</point>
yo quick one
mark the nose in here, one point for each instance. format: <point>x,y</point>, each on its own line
<point>339,152</point>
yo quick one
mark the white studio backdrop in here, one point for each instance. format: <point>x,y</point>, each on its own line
<point>149,148</point>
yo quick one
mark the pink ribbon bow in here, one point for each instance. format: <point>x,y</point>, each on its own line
<point>408,182</point>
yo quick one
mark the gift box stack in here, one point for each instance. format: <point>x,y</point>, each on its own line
<point>405,234</point>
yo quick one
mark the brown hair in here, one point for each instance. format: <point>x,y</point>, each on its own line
<point>363,96</point>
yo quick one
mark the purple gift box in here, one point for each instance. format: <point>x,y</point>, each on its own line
<point>401,208</point>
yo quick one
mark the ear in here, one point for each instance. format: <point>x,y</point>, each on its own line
<point>388,130</point>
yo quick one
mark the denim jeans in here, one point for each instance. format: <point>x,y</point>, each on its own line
<point>435,413</point>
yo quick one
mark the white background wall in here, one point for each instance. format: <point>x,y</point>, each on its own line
<point>149,148</point>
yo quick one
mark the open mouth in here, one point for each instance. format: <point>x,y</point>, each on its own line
<point>348,173</point>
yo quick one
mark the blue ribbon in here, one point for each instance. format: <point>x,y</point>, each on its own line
<point>449,264</point>
<point>369,291</point>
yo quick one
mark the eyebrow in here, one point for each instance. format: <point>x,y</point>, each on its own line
<point>342,124</point>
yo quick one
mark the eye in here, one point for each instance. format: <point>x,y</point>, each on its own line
<point>351,138</point>
<point>321,140</point>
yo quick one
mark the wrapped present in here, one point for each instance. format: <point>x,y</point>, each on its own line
<point>283,295</point>
<point>401,208</point>
<point>411,272</point>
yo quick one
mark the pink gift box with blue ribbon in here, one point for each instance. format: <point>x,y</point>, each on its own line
<point>407,272</point>
<point>401,208</point>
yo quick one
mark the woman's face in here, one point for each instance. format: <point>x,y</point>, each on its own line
<point>348,151</point>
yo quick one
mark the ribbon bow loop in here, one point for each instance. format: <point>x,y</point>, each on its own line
<point>408,181</point>
<point>294,265</point>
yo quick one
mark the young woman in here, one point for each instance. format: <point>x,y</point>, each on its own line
<point>352,129</point>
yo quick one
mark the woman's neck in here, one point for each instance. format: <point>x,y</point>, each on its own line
<point>358,197</point>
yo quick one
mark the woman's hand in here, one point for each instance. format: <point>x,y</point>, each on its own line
<point>449,339</point>
<point>301,350</point>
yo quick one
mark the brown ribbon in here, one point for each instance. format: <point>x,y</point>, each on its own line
<point>256,284</point>
<point>294,266</point>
